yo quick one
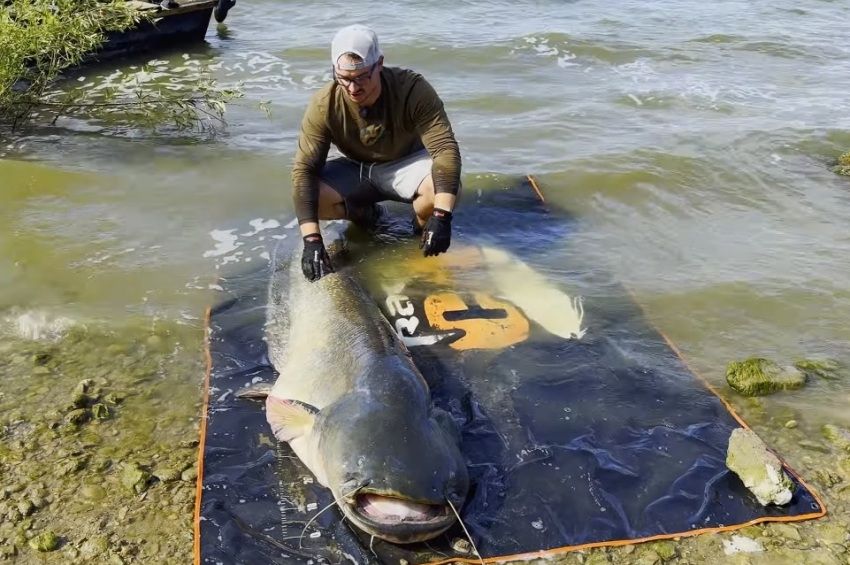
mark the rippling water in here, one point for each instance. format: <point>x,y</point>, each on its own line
<point>693,139</point>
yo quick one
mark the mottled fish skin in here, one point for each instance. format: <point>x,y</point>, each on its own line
<point>374,430</point>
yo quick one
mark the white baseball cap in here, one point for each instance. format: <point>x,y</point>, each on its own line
<point>358,40</point>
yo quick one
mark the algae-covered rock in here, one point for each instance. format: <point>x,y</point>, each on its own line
<point>831,533</point>
<point>597,557</point>
<point>839,437</point>
<point>189,474</point>
<point>135,478</point>
<point>113,398</point>
<point>100,411</point>
<point>665,549</point>
<point>828,478</point>
<point>825,369</point>
<point>758,468</point>
<point>94,546</point>
<point>843,165</point>
<point>25,507</point>
<point>78,416</point>
<point>45,541</point>
<point>8,550</point>
<point>79,396</point>
<point>646,556</point>
<point>788,532</point>
<point>92,492</point>
<point>71,465</point>
<point>168,474</point>
<point>757,376</point>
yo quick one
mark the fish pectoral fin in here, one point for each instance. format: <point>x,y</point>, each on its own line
<point>256,391</point>
<point>289,419</point>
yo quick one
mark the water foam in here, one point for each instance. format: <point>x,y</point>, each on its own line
<point>236,245</point>
<point>37,325</point>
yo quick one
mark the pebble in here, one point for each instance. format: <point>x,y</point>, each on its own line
<point>93,492</point>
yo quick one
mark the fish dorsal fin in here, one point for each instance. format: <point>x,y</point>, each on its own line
<point>255,391</point>
<point>289,419</point>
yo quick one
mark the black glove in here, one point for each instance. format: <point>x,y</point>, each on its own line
<point>437,233</point>
<point>315,261</point>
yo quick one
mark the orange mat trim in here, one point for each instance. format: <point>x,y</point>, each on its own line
<point>199,481</point>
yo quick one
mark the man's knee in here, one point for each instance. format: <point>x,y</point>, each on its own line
<point>331,203</point>
<point>423,201</point>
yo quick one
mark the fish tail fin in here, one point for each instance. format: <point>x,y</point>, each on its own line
<point>289,419</point>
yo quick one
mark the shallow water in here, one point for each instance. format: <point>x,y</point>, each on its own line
<point>693,140</point>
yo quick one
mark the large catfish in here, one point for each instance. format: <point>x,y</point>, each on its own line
<point>355,409</point>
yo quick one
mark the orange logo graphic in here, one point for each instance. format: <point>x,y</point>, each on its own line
<point>487,323</point>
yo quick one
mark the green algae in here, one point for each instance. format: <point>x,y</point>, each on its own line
<point>838,437</point>
<point>758,376</point>
<point>60,472</point>
<point>825,369</point>
<point>843,165</point>
<point>45,541</point>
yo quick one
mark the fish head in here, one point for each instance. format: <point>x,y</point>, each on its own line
<point>393,464</point>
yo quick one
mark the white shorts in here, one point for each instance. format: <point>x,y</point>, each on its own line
<point>395,180</point>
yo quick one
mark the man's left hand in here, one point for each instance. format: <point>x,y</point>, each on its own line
<point>437,233</point>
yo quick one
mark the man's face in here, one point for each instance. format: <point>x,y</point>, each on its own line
<point>362,84</point>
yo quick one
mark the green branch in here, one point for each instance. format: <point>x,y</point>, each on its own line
<point>39,39</point>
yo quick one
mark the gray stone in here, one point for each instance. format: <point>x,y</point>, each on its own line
<point>758,468</point>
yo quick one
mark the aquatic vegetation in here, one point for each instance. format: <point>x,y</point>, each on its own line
<point>757,376</point>
<point>825,369</point>
<point>758,468</point>
<point>40,39</point>
<point>843,165</point>
<point>100,419</point>
<point>45,541</point>
<point>837,436</point>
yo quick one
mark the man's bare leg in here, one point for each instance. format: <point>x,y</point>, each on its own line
<point>424,201</point>
<point>331,207</point>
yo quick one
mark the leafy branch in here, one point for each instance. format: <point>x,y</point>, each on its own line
<point>39,39</point>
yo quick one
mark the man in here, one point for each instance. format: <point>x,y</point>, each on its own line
<point>398,145</point>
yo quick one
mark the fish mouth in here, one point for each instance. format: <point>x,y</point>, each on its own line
<point>398,520</point>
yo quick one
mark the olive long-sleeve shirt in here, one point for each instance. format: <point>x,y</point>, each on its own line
<point>408,115</point>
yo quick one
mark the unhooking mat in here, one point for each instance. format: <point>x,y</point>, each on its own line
<point>602,437</point>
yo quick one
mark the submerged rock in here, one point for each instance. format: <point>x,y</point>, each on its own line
<point>758,468</point>
<point>94,546</point>
<point>45,541</point>
<point>167,474</point>
<point>843,165</point>
<point>135,478</point>
<point>788,532</point>
<point>100,411</point>
<point>757,376</point>
<point>78,416</point>
<point>665,549</point>
<point>825,369</point>
<point>839,437</point>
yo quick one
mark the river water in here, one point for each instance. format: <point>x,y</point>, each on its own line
<point>692,139</point>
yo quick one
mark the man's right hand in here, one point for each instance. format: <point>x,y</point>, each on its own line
<point>315,261</point>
